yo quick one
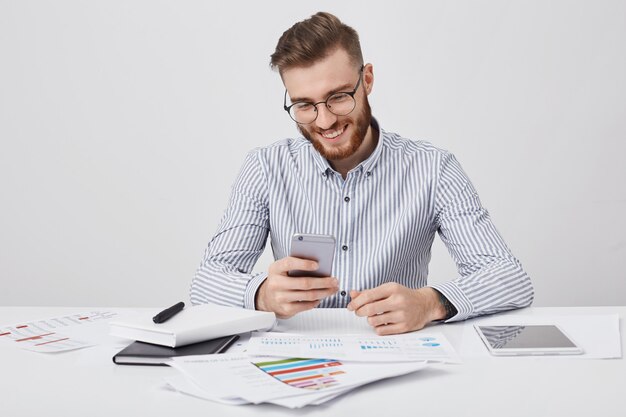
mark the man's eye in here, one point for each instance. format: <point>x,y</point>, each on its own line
<point>303,106</point>
<point>338,98</point>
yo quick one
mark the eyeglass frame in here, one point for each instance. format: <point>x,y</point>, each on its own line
<point>325,102</point>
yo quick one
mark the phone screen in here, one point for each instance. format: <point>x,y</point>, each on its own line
<point>526,337</point>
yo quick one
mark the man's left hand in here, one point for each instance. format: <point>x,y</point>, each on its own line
<point>393,308</point>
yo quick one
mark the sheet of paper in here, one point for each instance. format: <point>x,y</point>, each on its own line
<point>325,321</point>
<point>597,334</point>
<point>56,334</point>
<point>186,386</point>
<point>289,382</point>
<point>362,348</point>
<point>228,376</point>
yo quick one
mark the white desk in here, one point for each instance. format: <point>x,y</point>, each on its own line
<point>87,383</point>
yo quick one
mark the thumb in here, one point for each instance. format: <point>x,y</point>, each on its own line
<point>354,293</point>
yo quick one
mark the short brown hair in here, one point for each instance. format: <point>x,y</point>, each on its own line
<point>312,39</point>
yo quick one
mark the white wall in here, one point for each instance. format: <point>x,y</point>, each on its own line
<point>120,138</point>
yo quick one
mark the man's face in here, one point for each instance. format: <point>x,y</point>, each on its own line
<point>334,137</point>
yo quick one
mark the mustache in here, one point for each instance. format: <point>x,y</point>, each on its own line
<point>335,126</point>
<point>307,132</point>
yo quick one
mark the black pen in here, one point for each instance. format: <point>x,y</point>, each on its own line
<point>168,313</point>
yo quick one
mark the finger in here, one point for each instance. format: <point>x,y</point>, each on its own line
<point>368,296</point>
<point>311,283</point>
<point>375,308</point>
<point>289,263</point>
<point>285,282</point>
<point>389,329</point>
<point>384,319</point>
<point>310,295</point>
<point>354,293</point>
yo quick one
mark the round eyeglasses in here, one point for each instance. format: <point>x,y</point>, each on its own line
<point>340,104</point>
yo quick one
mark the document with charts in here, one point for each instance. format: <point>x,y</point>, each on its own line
<point>293,382</point>
<point>55,334</point>
<point>411,347</point>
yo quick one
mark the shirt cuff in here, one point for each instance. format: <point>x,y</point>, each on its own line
<point>251,290</point>
<point>457,298</point>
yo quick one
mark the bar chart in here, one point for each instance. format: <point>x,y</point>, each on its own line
<point>314,374</point>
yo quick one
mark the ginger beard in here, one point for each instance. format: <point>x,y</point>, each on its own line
<point>334,153</point>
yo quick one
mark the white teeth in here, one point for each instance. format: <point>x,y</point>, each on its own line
<point>332,135</point>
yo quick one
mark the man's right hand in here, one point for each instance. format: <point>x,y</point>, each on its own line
<point>287,296</point>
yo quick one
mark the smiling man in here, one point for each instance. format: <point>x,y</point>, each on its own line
<point>382,196</point>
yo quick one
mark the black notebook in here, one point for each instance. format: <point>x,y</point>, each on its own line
<point>140,353</point>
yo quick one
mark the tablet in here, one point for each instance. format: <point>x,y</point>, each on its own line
<point>519,340</point>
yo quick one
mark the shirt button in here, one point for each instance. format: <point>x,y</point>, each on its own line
<point>367,174</point>
<point>343,293</point>
<point>344,247</point>
<point>346,199</point>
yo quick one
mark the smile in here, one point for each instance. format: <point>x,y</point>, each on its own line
<point>333,134</point>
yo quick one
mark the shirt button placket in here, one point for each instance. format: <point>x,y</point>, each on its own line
<point>346,233</point>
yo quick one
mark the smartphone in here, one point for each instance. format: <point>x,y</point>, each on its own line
<point>319,248</point>
<point>518,340</point>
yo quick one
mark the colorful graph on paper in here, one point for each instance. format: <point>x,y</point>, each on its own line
<point>313,374</point>
<point>47,335</point>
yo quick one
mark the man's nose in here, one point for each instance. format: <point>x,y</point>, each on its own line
<point>325,119</point>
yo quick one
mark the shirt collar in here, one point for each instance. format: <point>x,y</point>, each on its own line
<point>370,163</point>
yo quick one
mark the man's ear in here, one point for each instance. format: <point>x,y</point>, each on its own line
<point>368,77</point>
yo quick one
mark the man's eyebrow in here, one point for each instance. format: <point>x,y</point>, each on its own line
<point>343,88</point>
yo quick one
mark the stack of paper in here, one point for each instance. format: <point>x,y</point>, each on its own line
<point>294,370</point>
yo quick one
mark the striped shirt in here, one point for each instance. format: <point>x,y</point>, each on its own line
<point>384,216</point>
